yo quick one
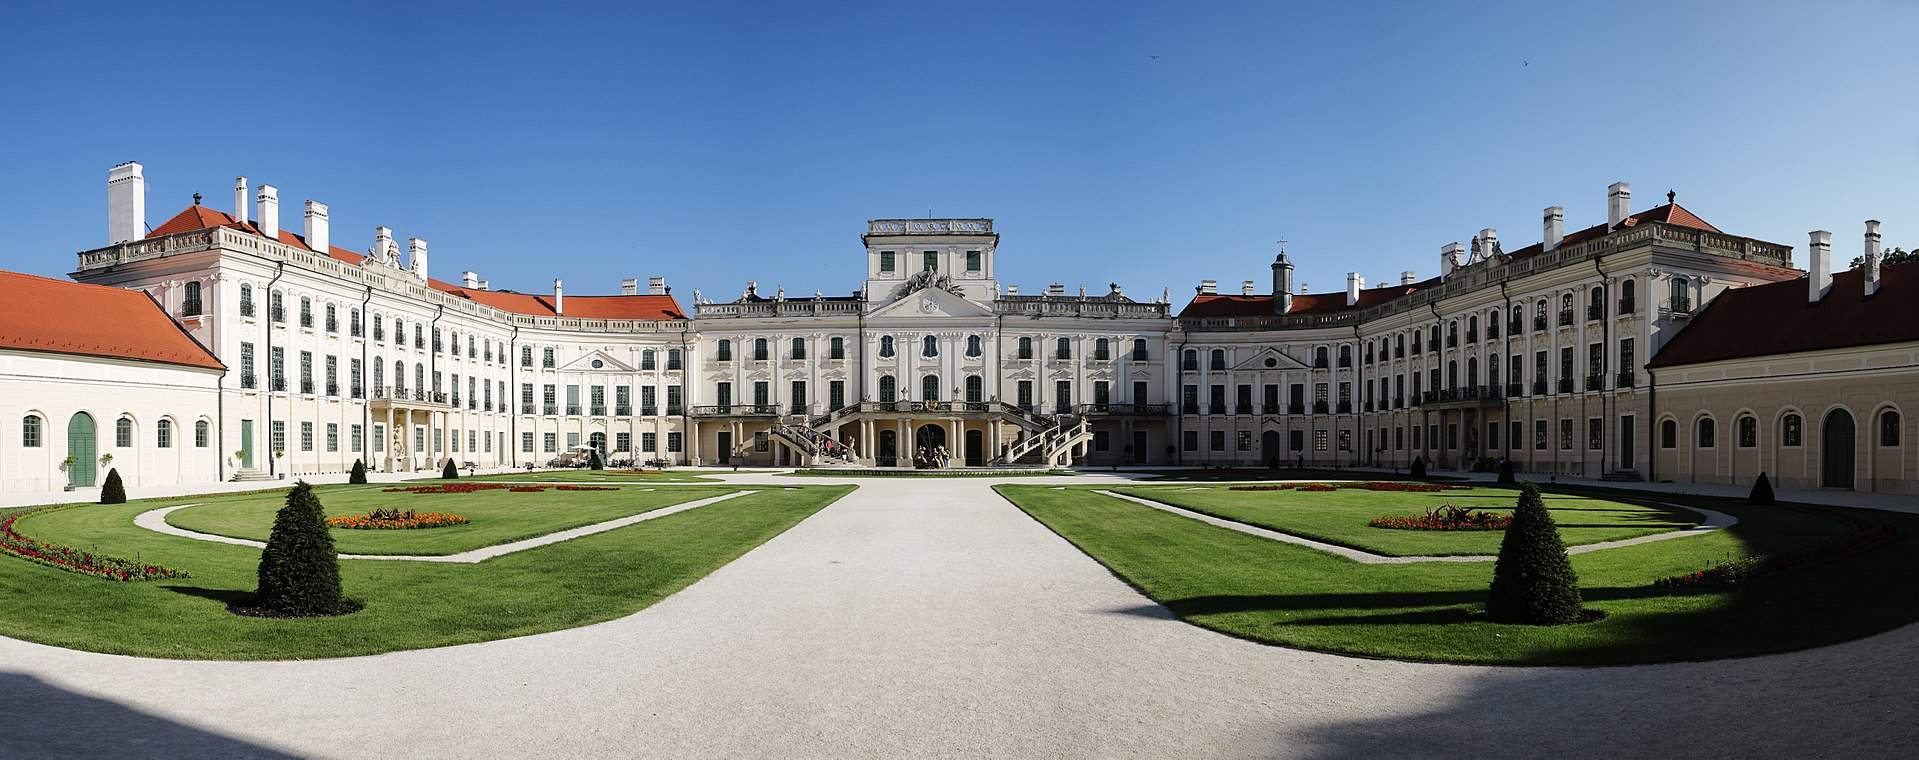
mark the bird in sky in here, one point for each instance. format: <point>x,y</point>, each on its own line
<point>1154,57</point>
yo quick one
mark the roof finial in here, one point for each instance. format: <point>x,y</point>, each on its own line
<point>1670,197</point>
<point>196,199</point>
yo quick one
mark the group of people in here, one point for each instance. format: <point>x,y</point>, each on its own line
<point>936,457</point>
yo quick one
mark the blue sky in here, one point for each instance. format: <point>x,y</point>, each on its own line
<point>714,142</point>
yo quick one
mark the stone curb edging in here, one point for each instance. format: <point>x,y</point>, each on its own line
<point>156,520</point>
<point>1715,520</point>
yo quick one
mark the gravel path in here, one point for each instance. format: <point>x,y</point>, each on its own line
<point>1715,520</point>
<point>156,520</point>
<point>929,618</point>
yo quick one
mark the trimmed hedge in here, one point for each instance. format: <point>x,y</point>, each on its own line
<point>299,571</point>
<point>1506,476</point>
<point>451,472</point>
<point>1761,490</point>
<point>1419,466</point>
<point>1533,580</point>
<point>358,477</point>
<point>113,491</point>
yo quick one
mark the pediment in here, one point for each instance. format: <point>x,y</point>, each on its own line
<point>1258,361</point>
<point>931,302</point>
<point>607,363</point>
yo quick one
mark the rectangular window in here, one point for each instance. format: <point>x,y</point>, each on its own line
<point>836,394</point>
<point>1244,440</point>
<point>1217,439</point>
<point>306,436</point>
<point>1319,440</point>
<point>1295,440</point>
<point>353,438</point>
<point>972,261</point>
<point>1514,430</point>
<point>1593,428</point>
<point>419,439</point>
<point>649,400</point>
<point>526,442</point>
<point>572,441</point>
<point>886,261</point>
<point>673,393</point>
<point>930,261</point>
<point>246,365</point>
<point>379,438</point>
<point>672,443</point>
<point>649,442</point>
<point>1565,434</point>
<point>278,436</point>
<point>332,436</point>
<point>1189,440</point>
<point>1099,440</point>
<point>1539,434</point>
<point>762,442</point>
<point>1492,435</point>
<point>549,442</point>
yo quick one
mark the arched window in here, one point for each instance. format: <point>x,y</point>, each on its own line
<point>799,348</point>
<point>836,348</point>
<point>973,346</point>
<point>1889,428</point>
<point>306,311</point>
<point>526,352</point>
<point>1190,362</point>
<point>1399,346</point>
<point>200,434</point>
<point>930,388</point>
<point>1102,349</point>
<point>1065,348</point>
<point>1139,349</point>
<point>1345,354</point>
<point>1416,342</point>
<point>190,303</point>
<point>1516,321</point>
<point>1472,328</point>
<point>1748,431</point>
<point>975,389</point>
<point>1565,309</point>
<point>673,359</point>
<point>929,346</point>
<point>276,307</point>
<point>123,433</point>
<point>1539,315</point>
<point>30,431</point>
<point>1452,374</point>
<point>1681,294</point>
<point>759,349</point>
<point>163,433</point>
<point>650,360</point>
<point>1668,434</point>
<point>725,351</point>
<point>1319,356</point>
<point>1472,372</point>
<point>1596,302</point>
<point>246,300</point>
<point>1627,295</point>
<point>1705,433</point>
<point>353,325</point>
<point>1452,332</point>
<point>332,318</point>
<point>419,376</point>
<point>379,374</point>
<point>886,346</point>
<point>399,376</point>
<point>1791,430</point>
<point>887,389</point>
<point>1218,362</point>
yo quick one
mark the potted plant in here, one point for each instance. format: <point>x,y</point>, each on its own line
<point>106,460</point>
<point>67,465</point>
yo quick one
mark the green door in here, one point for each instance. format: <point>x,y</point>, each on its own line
<point>246,444</point>
<point>80,446</point>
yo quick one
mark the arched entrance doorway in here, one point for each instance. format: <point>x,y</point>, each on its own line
<point>80,446</point>
<point>889,453</point>
<point>928,438</point>
<point>975,448</point>
<point>1269,448</point>
<point>598,441</point>
<point>1836,450</point>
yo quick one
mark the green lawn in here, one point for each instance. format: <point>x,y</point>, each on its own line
<point>1339,517</point>
<point>1279,593</point>
<point>409,605</point>
<point>870,473</point>
<point>587,476</point>
<point>497,516</point>
<point>1258,474</point>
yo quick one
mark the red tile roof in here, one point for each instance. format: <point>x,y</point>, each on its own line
<point>588,307</point>
<point>1775,318</point>
<point>63,317</point>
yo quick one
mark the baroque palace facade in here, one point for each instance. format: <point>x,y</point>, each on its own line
<point>1619,350</point>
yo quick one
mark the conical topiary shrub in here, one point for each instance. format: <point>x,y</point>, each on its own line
<point>1761,490</point>
<point>593,460</point>
<point>1533,581</point>
<point>299,573</point>
<point>451,472</point>
<point>1419,467</point>
<point>358,477</point>
<point>1506,476</point>
<point>113,491</point>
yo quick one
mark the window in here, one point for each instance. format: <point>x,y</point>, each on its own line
<point>1565,434</point>
<point>277,437</point>
<point>975,389</point>
<point>1102,349</point>
<point>672,443</point>
<point>836,348</point>
<point>526,443</point>
<point>886,346</point>
<point>888,389</point>
<point>672,358</point>
<point>526,352</point>
<point>1189,361</point>
<point>306,436</point>
<point>1064,349</point>
<point>929,346</point>
<point>353,324</point>
<point>549,442</point>
<point>1319,440</point>
<point>1889,428</point>
<point>276,307</point>
<point>1626,296</point>
<point>306,311</point>
<point>1539,435</point>
<point>1594,428</point>
<point>163,434</point>
<point>246,300</point>
<point>1217,361</point>
<point>973,346</point>
<point>332,437</point>
<point>306,371</point>
<point>649,442</point>
<point>123,433</point>
<point>353,438</point>
<point>1705,433</point>
<point>1747,428</point>
<point>419,336</point>
<point>759,349</point>
<point>973,261</point>
<point>1189,440</point>
<point>1681,294</point>
<point>836,394</point>
<point>930,261</point>
<point>1216,440</point>
<point>246,365</point>
<point>1139,349</point>
<point>762,442</point>
<point>1025,348</point>
<point>1790,430</point>
<point>200,434</point>
<point>190,303</point>
<point>886,261</point>
<point>930,388</point>
<point>1243,441</point>
<point>332,319</point>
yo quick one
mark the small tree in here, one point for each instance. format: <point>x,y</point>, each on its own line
<point>1419,467</point>
<point>1533,580</point>
<point>1761,491</point>
<point>593,460</point>
<point>451,472</point>
<point>1506,476</point>
<point>299,573</point>
<point>113,492</point>
<point>358,477</point>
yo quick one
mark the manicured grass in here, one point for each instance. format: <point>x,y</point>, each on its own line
<point>1278,593</point>
<point>1284,473</point>
<point>1339,517</point>
<point>586,476</point>
<point>409,605</point>
<point>496,516</point>
<point>871,473</point>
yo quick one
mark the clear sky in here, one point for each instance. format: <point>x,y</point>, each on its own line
<point>1149,144</point>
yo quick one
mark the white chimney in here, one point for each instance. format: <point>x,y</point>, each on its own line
<point>1354,284</point>
<point>1303,288</point>
<point>126,203</point>
<point>319,236</point>
<point>630,286</point>
<point>1618,204</point>
<point>1488,242</point>
<point>269,221</point>
<point>241,199</point>
<point>1011,290</point>
<point>1056,289</point>
<point>1555,227</point>
<point>1208,287</point>
<point>1819,270</point>
<point>1449,258</point>
<point>485,286</point>
<point>470,280</point>
<point>1407,277</point>
<point>1245,287</point>
<point>1872,257</point>
<point>656,286</point>
<point>559,297</point>
<point>383,246</point>
<point>416,257</point>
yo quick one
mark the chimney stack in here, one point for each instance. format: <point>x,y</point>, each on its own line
<point>269,212</point>
<point>416,257</point>
<point>559,298</point>
<point>383,251</point>
<point>319,236</point>
<point>1011,290</point>
<point>1488,242</point>
<point>1208,287</point>
<point>656,286</point>
<point>484,286</point>
<point>126,203</point>
<point>1282,284</point>
<point>470,280</point>
<point>1056,289</point>
<point>1618,204</point>
<point>1302,288</point>
<point>1449,258</point>
<point>1354,284</point>
<point>630,286</point>
<point>1819,270</point>
<point>1245,287</point>
<point>1407,277</point>
<point>241,199</point>
<point>1555,227</point>
<point>1872,257</point>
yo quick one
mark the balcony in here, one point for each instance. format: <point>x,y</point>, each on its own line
<point>246,308</point>
<point>333,325</point>
<point>526,408</point>
<point>1215,408</point>
<point>572,410</point>
<point>306,387</point>
<point>1595,382</point>
<point>1565,385</point>
<point>1565,317</point>
<point>1514,390</point>
<point>598,411</point>
<point>332,389</point>
<point>1432,344</point>
<point>649,411</point>
<point>737,410</point>
<point>550,410</point>
<point>1345,407</point>
<point>278,315</point>
<point>1595,312</point>
<point>622,411</point>
<point>1626,306</point>
<point>1452,341</point>
<point>674,411</point>
<point>1345,362</point>
<point>1299,408</point>
<point>1466,396</point>
<point>1624,380</point>
<point>1319,407</point>
<point>407,395</point>
<point>1243,408</point>
<point>1472,336</point>
<point>1319,363</point>
<point>247,380</point>
<point>1539,323</point>
<point>1399,402</point>
<point>1183,408</point>
<point>1539,388</point>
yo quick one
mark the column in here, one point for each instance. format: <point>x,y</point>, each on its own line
<point>387,444</point>
<point>955,445</point>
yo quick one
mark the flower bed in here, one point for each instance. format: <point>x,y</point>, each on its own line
<point>393,519</point>
<point>449,488</point>
<point>1371,485</point>
<point>74,560</point>
<point>1445,517</point>
<point>1865,535</point>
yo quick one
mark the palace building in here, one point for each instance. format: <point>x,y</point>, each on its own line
<point>1650,346</point>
